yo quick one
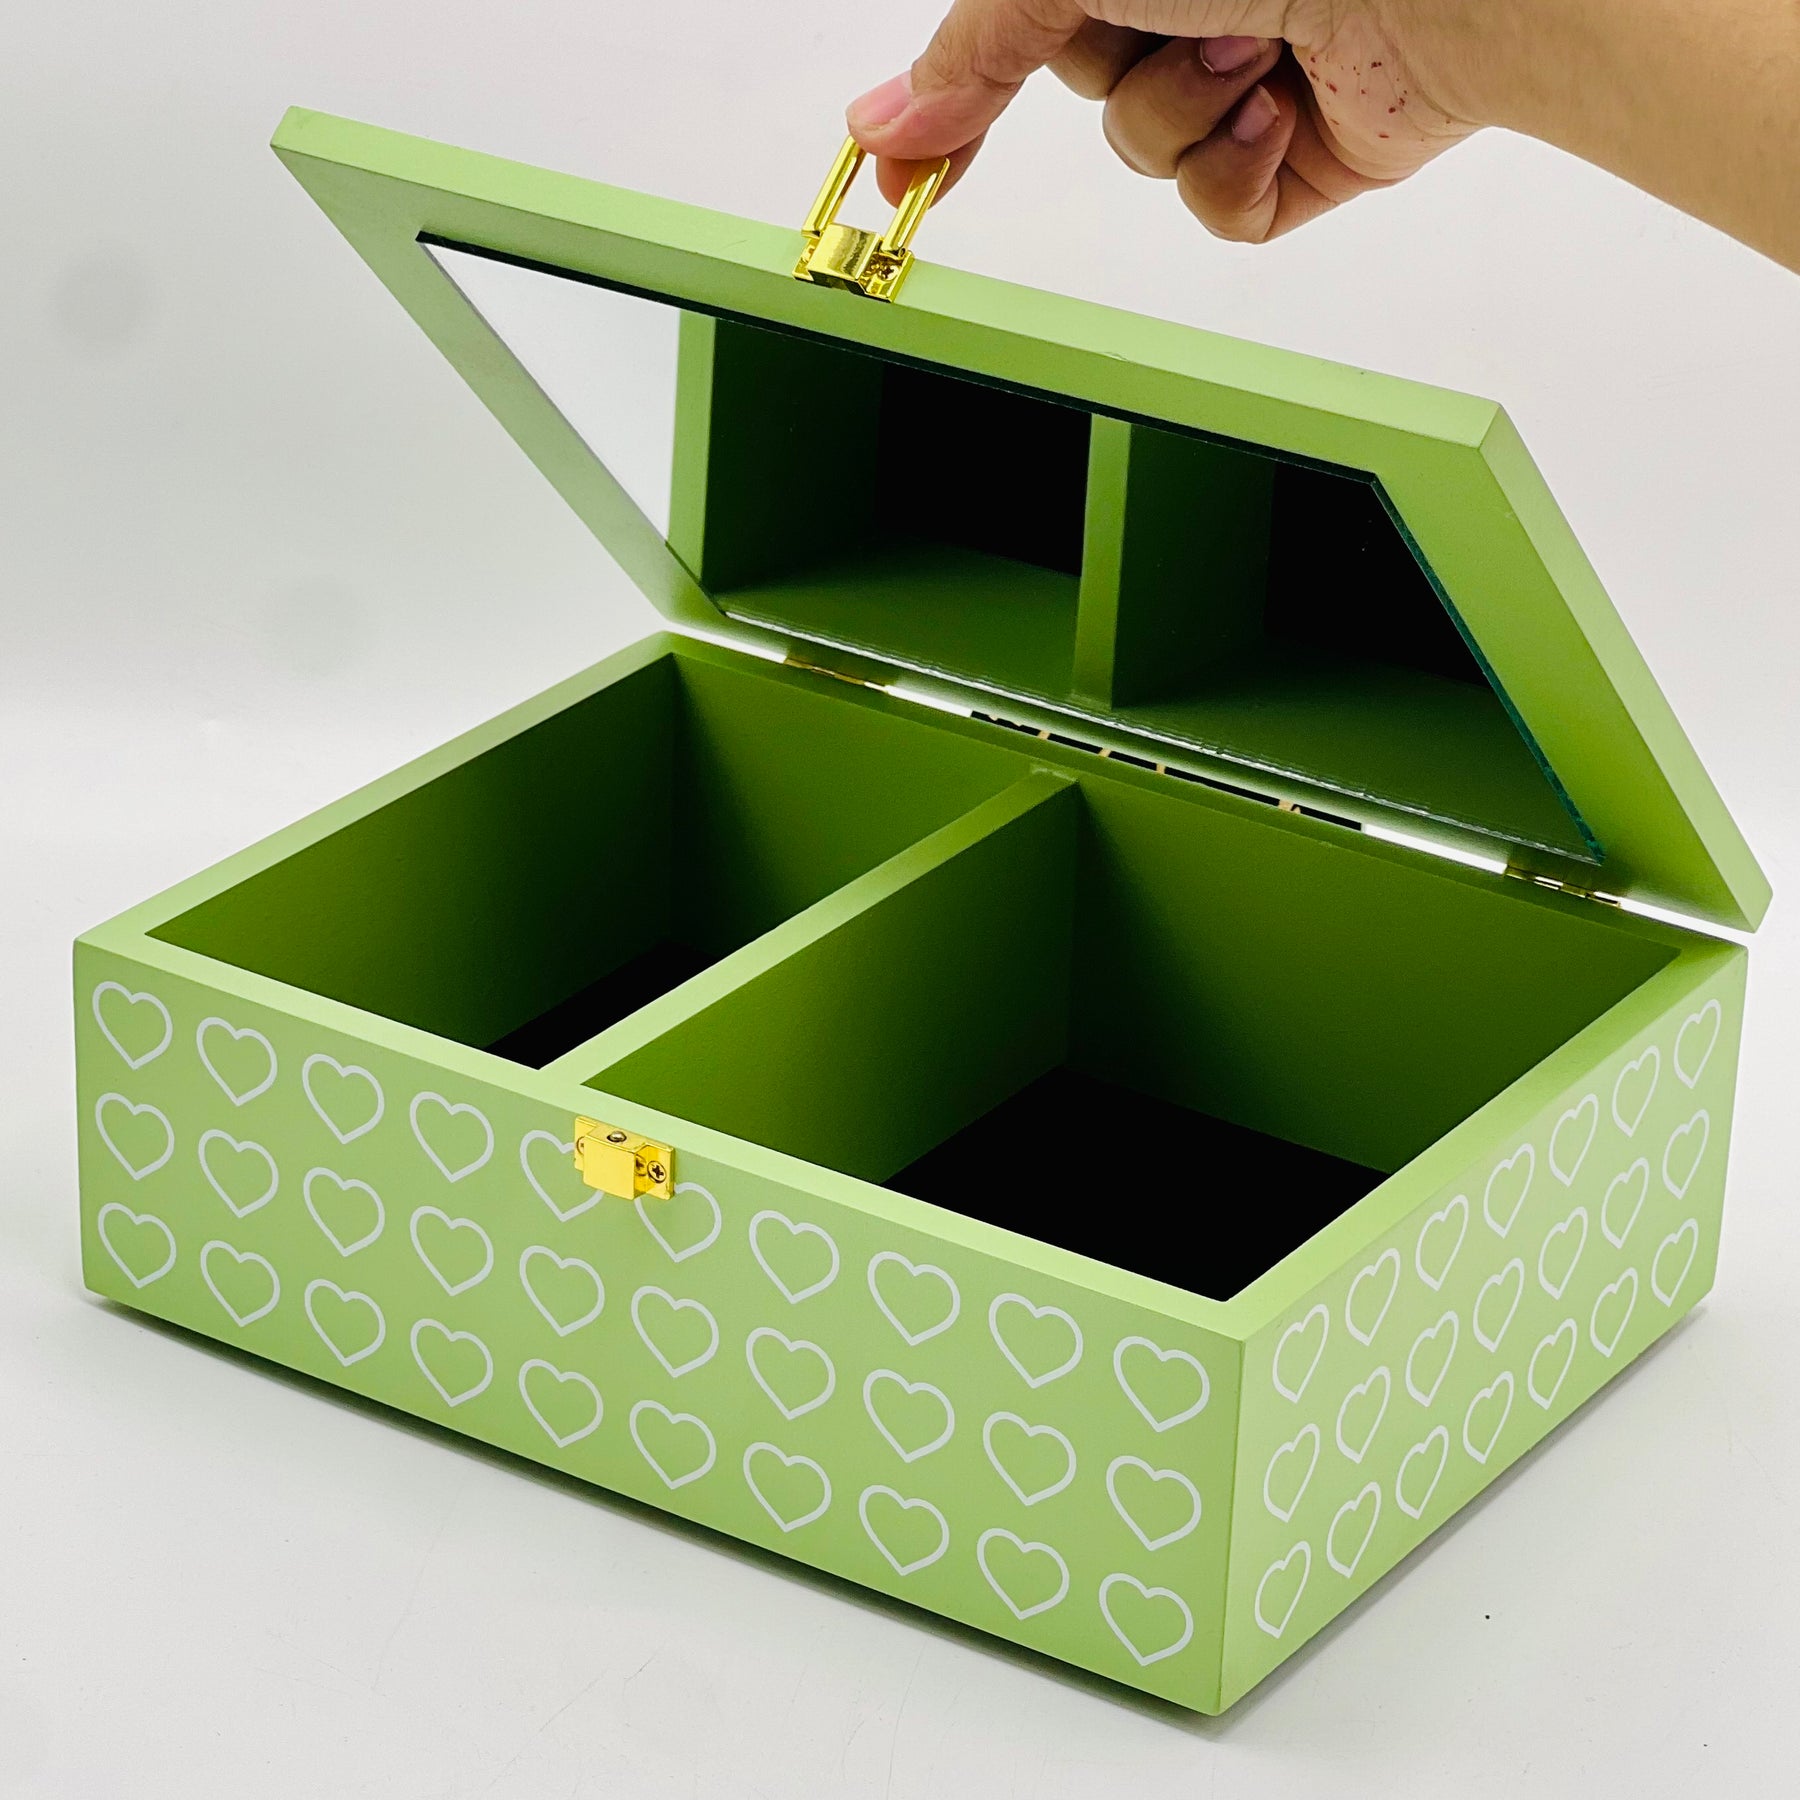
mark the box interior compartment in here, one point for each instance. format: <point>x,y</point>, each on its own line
<point>1202,592</point>
<point>865,502</point>
<point>532,895</point>
<point>1167,1032</point>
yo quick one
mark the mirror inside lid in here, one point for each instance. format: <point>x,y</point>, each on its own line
<point>1245,561</point>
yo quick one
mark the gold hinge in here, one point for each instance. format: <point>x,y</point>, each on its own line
<point>844,256</point>
<point>1562,887</point>
<point>813,668</point>
<point>622,1164</point>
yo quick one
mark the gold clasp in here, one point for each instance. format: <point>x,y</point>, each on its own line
<point>622,1164</point>
<point>843,256</point>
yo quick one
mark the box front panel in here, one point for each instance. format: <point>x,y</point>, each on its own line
<point>1040,1459</point>
<point>1396,1391</point>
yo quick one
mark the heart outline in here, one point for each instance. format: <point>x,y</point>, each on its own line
<point>348,1296</point>
<point>565,1263</point>
<point>1713,1011</point>
<point>1641,1170</point>
<point>911,1387</point>
<point>673,1418</point>
<point>1320,1311</point>
<point>1147,1593</point>
<point>139,1219</point>
<point>905,1505</point>
<point>243,1321</point>
<point>237,1034</point>
<point>1308,1433</point>
<point>1303,1550</point>
<point>1156,1475</point>
<point>566,1149</point>
<point>790,1344</point>
<point>787,1461</point>
<point>650,1291</point>
<point>1388,1259</point>
<point>1031,1431</point>
<point>452,1109</point>
<point>131,1062</point>
<point>563,1376</point>
<point>1460,1203</point>
<point>1582,1107</point>
<point>1556,1290</point>
<point>137,1112</point>
<point>1439,1435</point>
<point>1611,1291</point>
<point>1348,1569</point>
<point>1383,1375</point>
<point>1546,1401</point>
<point>1653,1056</point>
<point>1045,1311</point>
<point>643,1210</point>
<point>218,1187</point>
<point>1503,1380</point>
<point>1524,1153</point>
<point>803,1229</point>
<point>1430,1332</point>
<point>1027,1549</point>
<point>346,1071</point>
<point>1688,1228</point>
<point>1515,1268</point>
<point>343,1184</point>
<point>1162,1356</point>
<point>1702,1120</point>
<point>452,1337</point>
<point>914,1269</point>
<point>454,1225</point>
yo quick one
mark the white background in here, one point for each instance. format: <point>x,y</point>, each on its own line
<point>258,545</point>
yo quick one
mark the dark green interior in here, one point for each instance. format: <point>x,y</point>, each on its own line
<point>1204,593</point>
<point>1014,993</point>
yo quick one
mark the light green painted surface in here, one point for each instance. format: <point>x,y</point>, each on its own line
<point>1425,1365</point>
<point>791,1343</point>
<point>1451,467</point>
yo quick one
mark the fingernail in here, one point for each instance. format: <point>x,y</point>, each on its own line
<point>1226,55</point>
<point>1256,113</point>
<point>880,106</point>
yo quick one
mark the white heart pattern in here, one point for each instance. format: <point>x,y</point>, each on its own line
<point>565,1154</point>
<point>1156,1652</point>
<point>457,1160</point>
<point>353,1300</point>
<point>1033,1432</point>
<point>790,1462</point>
<point>159,1228</point>
<point>587,1422</point>
<point>132,1001</point>
<point>801,1347</point>
<point>241,1317</point>
<point>264,1067</point>
<point>926,1272</point>
<point>1694,1042</point>
<point>343,1078</point>
<point>780,1220</point>
<point>1157,1478</point>
<point>210,1144</point>
<point>1446,1228</point>
<point>143,1110</point>
<point>1271,1615</point>
<point>998,1535</point>
<point>908,1453</point>
<point>1177,1413</point>
<point>1371,1294</point>
<point>344,1186</point>
<point>1573,1138</point>
<point>1504,1197</point>
<point>1044,1371</point>
<point>1291,1382</point>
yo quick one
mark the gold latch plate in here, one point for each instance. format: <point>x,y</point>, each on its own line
<point>864,262</point>
<point>621,1163</point>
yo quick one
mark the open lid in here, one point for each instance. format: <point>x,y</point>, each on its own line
<point>1345,589</point>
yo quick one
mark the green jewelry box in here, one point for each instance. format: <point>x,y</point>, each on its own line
<point>1116,1020</point>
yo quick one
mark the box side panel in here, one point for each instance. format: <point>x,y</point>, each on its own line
<point>1042,1460</point>
<point>1396,1390</point>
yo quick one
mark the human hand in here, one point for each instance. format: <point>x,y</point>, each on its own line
<point>1265,113</point>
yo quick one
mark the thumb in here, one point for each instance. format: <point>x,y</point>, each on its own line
<point>976,61</point>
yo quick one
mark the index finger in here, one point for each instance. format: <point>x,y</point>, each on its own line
<point>977,60</point>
